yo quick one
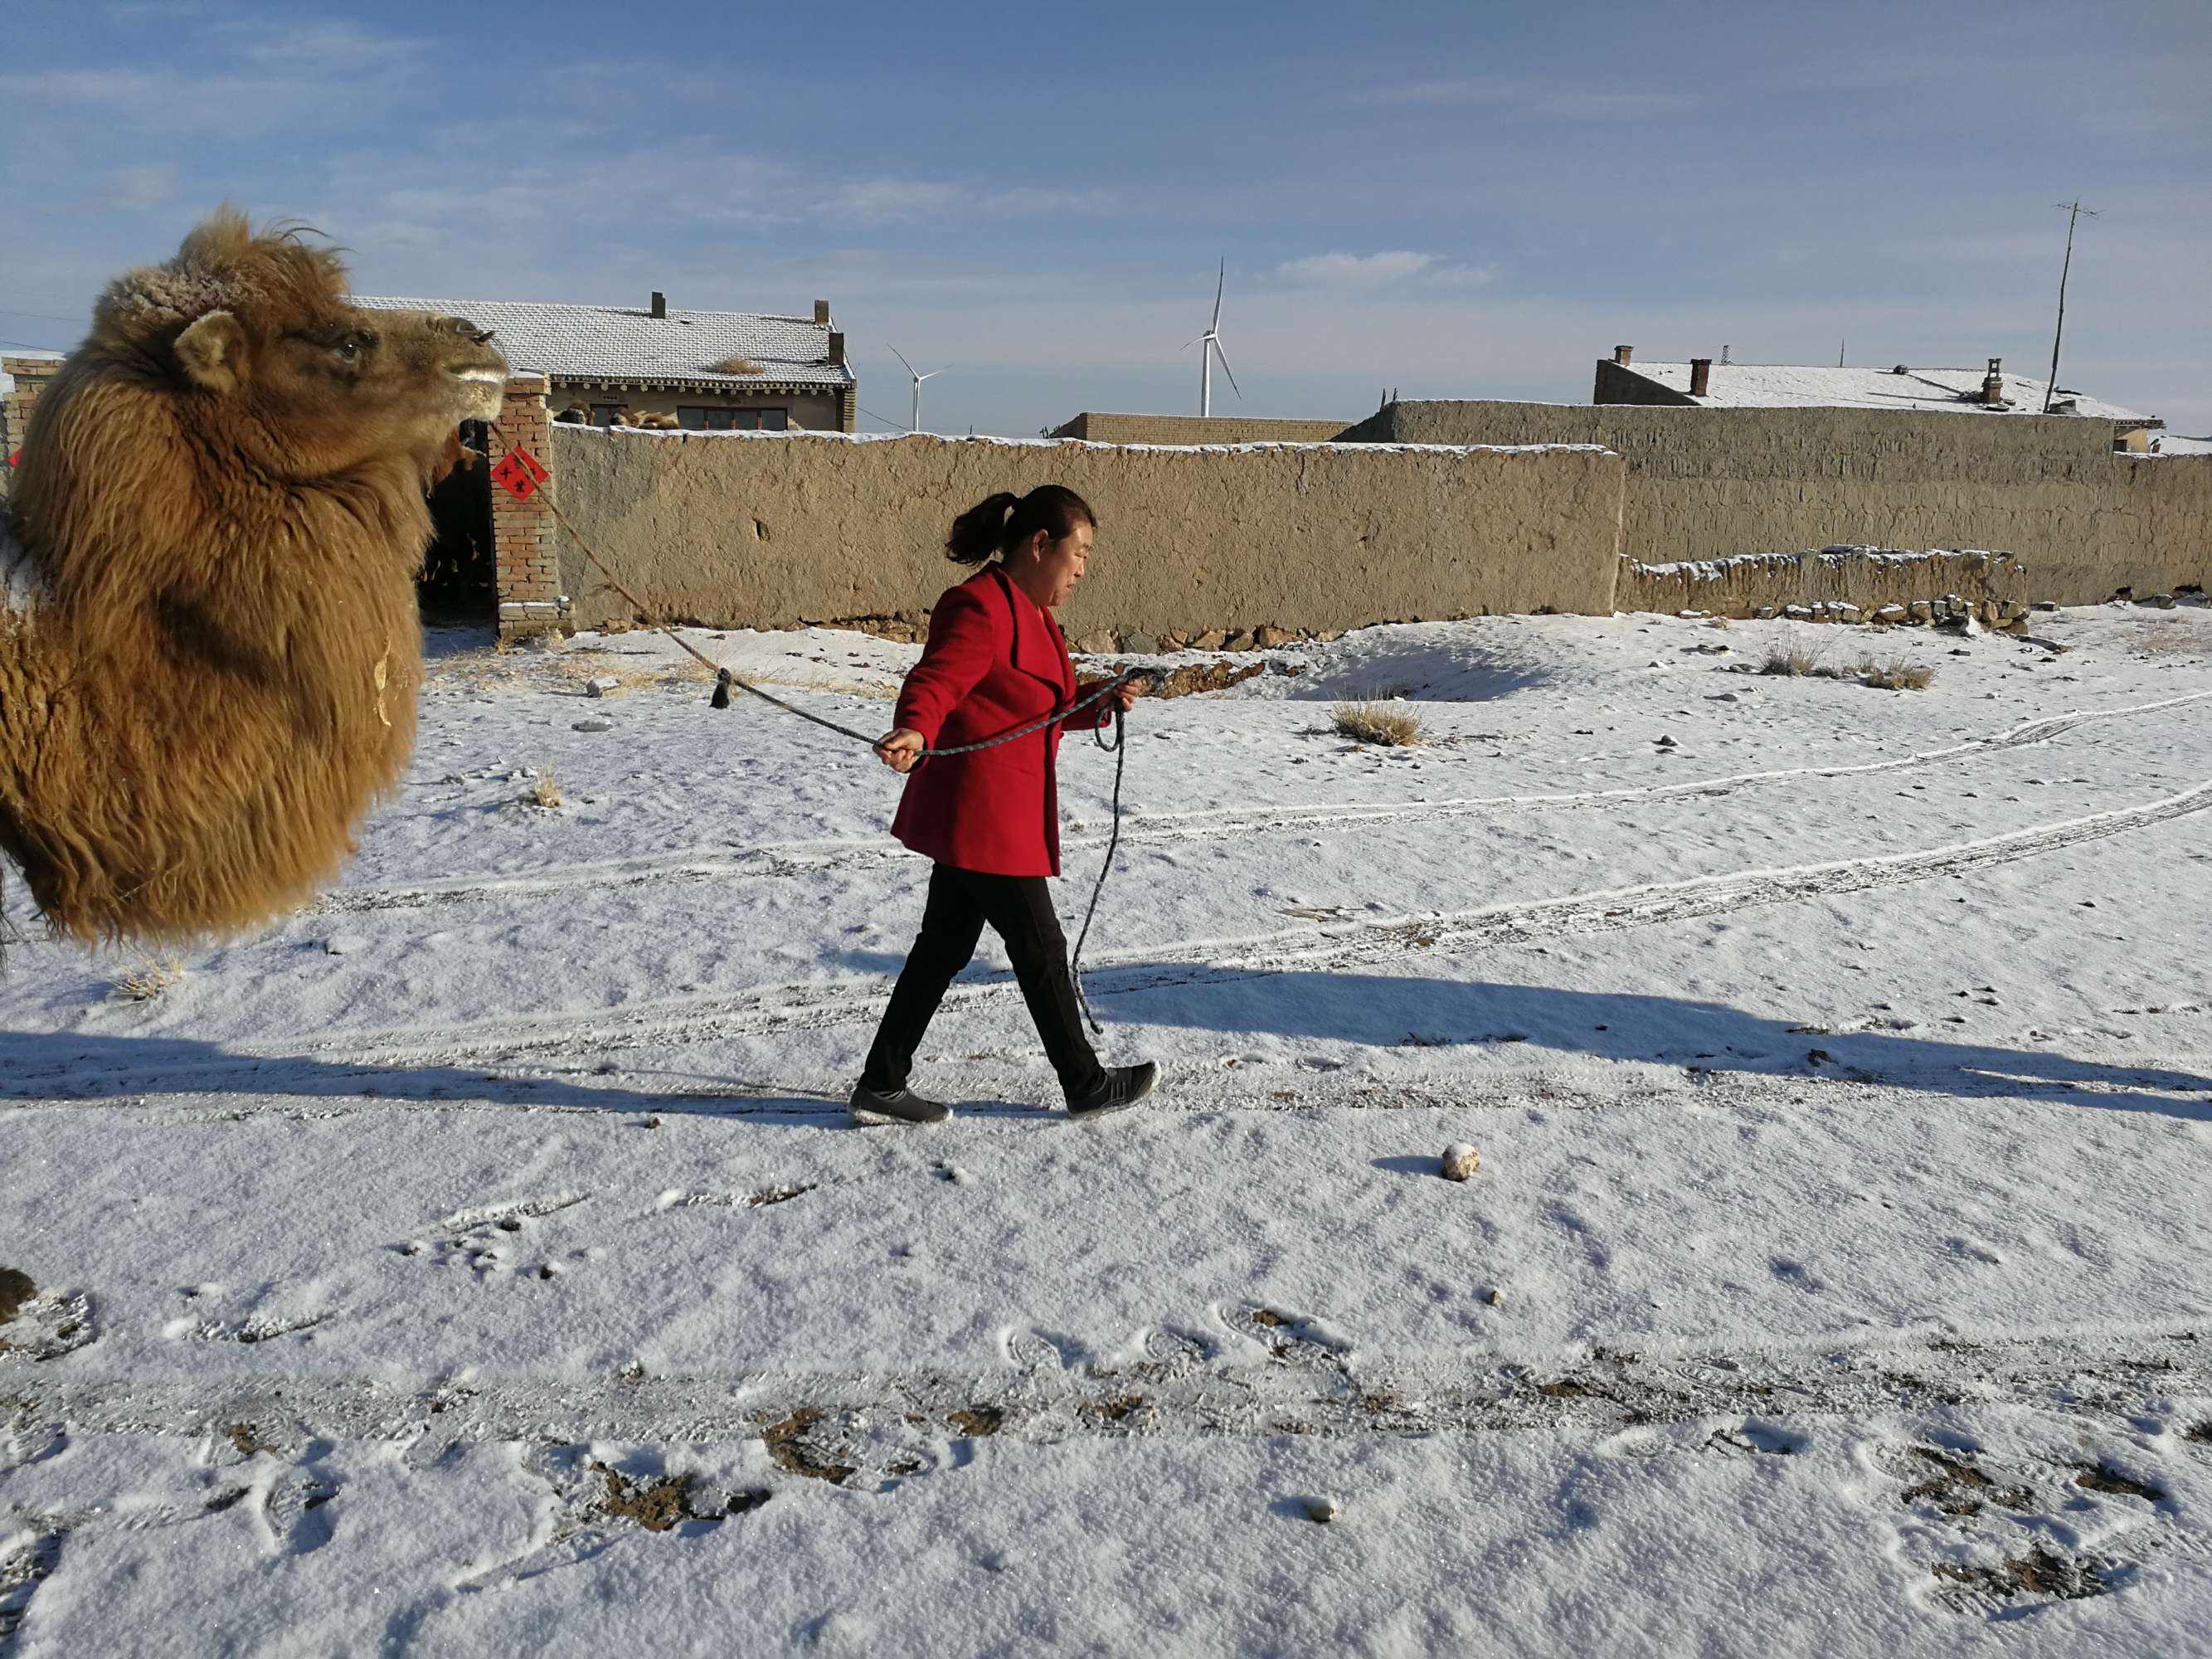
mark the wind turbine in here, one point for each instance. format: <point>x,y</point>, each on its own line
<point>915,424</point>
<point>1210,341</point>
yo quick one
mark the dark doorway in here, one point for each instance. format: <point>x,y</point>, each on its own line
<point>457,583</point>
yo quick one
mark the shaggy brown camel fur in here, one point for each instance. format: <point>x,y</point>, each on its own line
<point>210,657</point>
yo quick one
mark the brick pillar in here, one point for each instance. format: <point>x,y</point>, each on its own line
<point>31,376</point>
<point>526,567</point>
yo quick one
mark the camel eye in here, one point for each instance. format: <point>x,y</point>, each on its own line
<point>350,346</point>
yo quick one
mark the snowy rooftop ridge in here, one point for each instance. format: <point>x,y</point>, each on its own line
<point>812,435</point>
<point>1785,385</point>
<point>629,343</point>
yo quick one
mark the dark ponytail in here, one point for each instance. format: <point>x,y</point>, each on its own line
<point>1005,521</point>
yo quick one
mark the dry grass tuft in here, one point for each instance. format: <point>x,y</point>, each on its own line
<point>1796,660</point>
<point>544,790</point>
<point>1791,658</point>
<point>2179,636</point>
<point>736,366</point>
<point>1896,674</point>
<point>147,981</point>
<point>1377,723</point>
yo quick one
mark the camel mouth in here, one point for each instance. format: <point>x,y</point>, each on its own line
<point>481,391</point>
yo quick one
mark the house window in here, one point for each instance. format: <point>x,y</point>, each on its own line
<point>604,414</point>
<point>701,419</point>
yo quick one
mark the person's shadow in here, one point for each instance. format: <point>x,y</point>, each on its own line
<point>1374,1011</point>
<point>1381,1012</point>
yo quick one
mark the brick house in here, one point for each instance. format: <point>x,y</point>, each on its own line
<point>23,375</point>
<point>711,370</point>
<point>1701,383</point>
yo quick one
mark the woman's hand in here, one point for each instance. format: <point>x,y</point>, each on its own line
<point>1126,695</point>
<point>900,749</point>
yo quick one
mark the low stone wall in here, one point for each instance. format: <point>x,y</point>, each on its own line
<point>1194,429</point>
<point>1836,584</point>
<point>781,530</point>
<point>1714,484</point>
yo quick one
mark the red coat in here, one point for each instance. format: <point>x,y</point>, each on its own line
<point>995,660</point>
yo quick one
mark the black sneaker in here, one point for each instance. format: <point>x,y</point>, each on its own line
<point>1125,1085</point>
<point>894,1106</point>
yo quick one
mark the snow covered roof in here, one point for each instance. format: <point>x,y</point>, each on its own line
<point>629,343</point>
<point>1783,386</point>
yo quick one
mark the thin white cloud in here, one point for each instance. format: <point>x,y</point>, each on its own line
<point>1551,98</point>
<point>891,200</point>
<point>335,48</point>
<point>141,187</point>
<point>1392,267</point>
<point>880,200</point>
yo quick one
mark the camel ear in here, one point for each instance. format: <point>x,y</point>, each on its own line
<point>213,353</point>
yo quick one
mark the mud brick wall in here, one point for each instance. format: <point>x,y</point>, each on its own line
<point>779,530</point>
<point>1707,484</point>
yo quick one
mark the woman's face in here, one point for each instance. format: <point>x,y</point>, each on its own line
<point>1059,564</point>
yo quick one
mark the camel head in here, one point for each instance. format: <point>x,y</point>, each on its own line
<point>254,335</point>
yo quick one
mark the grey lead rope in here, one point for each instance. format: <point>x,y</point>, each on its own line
<point>724,679</point>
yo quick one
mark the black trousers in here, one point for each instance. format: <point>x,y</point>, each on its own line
<point>1019,910</point>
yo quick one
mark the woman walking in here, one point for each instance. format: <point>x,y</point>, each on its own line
<point>990,820</point>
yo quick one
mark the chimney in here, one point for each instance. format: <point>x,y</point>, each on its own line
<point>836,345</point>
<point>1701,375</point>
<point>1993,382</point>
<point>822,313</point>
<point>1622,353</point>
<point>660,303</point>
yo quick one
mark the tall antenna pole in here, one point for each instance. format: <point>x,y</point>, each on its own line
<point>2074,210</point>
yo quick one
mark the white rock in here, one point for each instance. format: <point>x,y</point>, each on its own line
<point>1323,1510</point>
<point>594,724</point>
<point>601,686</point>
<point>1460,1161</point>
<point>339,945</point>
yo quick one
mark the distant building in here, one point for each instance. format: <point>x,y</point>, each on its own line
<point>712,370</point>
<point>1702,383</point>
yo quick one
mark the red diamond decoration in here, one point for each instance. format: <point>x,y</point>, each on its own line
<point>519,473</point>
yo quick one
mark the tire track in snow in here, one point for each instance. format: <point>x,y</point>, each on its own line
<point>818,1003</point>
<point>772,860</point>
<point>1242,1370</point>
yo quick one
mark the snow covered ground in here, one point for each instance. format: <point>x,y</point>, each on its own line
<point>480,1262</point>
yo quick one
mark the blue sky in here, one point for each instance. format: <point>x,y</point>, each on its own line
<point>1451,200</point>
